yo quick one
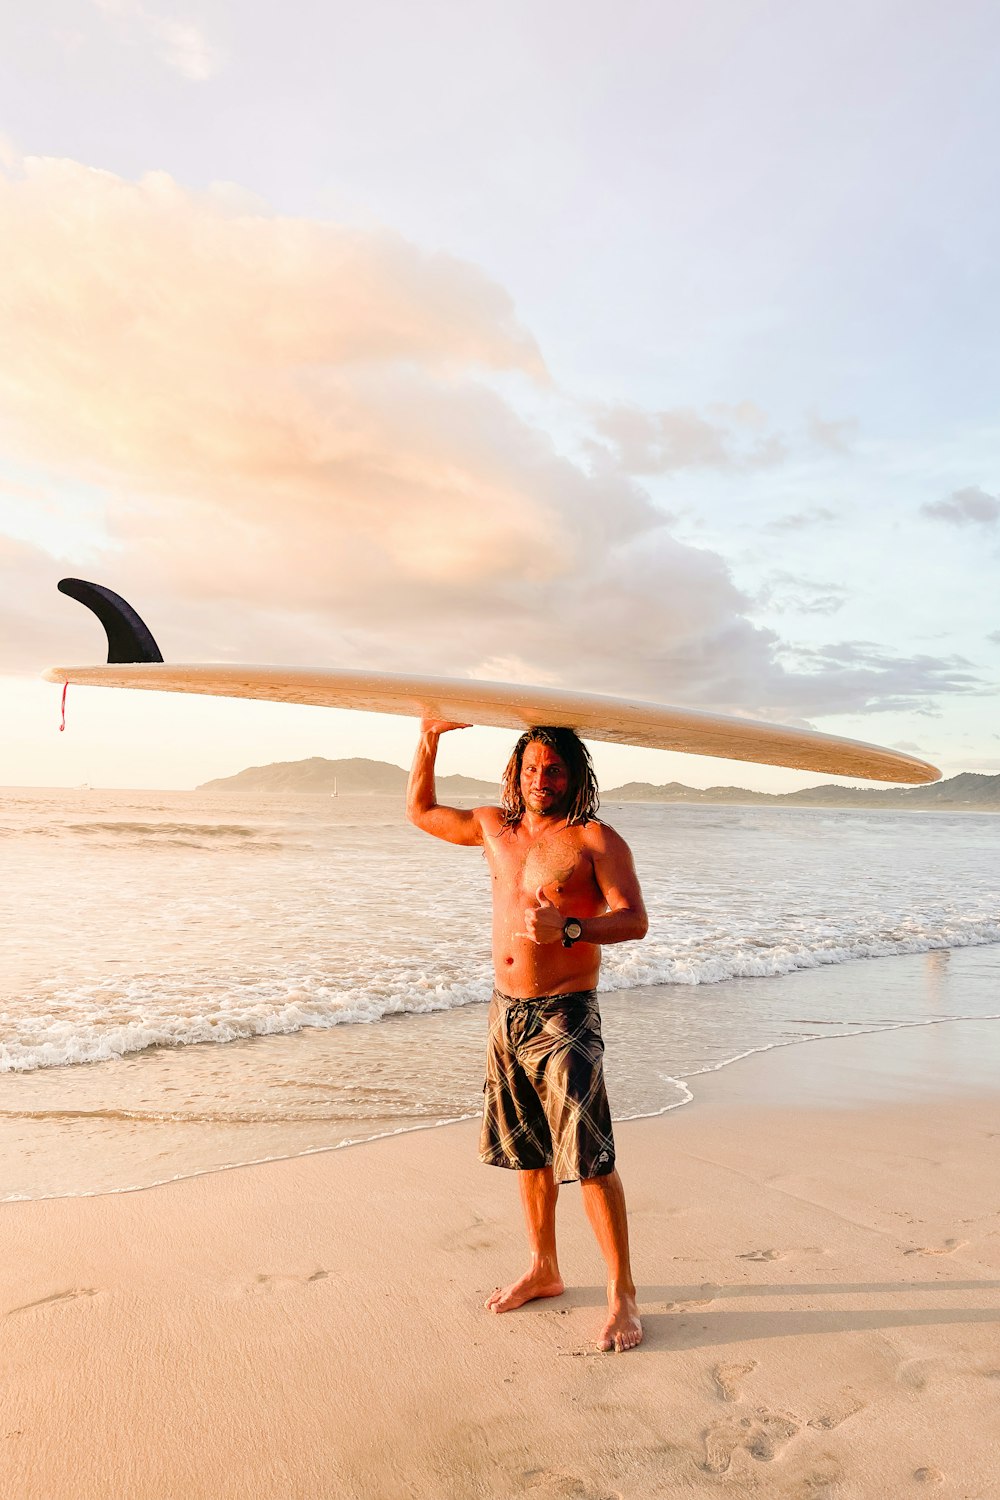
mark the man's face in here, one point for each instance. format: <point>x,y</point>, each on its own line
<point>544,781</point>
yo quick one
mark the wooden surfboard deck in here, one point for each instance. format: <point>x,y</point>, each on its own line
<point>621,721</point>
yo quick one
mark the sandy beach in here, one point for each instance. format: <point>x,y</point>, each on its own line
<point>821,1286</point>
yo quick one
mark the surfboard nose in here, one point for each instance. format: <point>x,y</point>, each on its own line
<point>129,637</point>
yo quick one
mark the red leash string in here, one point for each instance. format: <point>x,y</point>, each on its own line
<point>62,726</point>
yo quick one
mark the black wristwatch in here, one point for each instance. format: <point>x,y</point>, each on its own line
<point>572,931</point>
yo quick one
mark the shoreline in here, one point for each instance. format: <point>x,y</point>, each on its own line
<point>691,1098</point>
<point>821,1290</point>
<point>179,927</point>
<point>934,981</point>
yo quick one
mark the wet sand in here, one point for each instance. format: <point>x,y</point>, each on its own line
<point>817,1242</point>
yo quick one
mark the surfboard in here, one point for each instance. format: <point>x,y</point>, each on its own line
<point>135,662</point>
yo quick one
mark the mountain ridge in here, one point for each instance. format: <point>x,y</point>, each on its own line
<point>969,791</point>
<point>353,777</point>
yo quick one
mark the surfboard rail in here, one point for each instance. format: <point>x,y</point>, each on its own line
<point>135,661</point>
<point>501,705</point>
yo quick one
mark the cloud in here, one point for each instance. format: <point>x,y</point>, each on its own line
<point>665,442</point>
<point>184,48</point>
<point>968,507</point>
<point>865,678</point>
<point>994,636</point>
<point>304,457</point>
<point>32,629</point>
<point>786,593</point>
<point>180,44</point>
<point>834,436</point>
<point>815,515</point>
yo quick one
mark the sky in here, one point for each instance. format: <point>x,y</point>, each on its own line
<point>640,349</point>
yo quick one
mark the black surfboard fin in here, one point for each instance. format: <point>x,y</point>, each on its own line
<point>129,638</point>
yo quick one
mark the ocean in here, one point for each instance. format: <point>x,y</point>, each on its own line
<point>191,981</point>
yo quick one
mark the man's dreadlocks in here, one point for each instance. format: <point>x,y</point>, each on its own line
<point>583,793</point>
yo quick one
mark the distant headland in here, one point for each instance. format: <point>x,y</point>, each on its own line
<point>966,793</point>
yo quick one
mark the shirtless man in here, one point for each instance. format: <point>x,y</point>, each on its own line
<point>563,885</point>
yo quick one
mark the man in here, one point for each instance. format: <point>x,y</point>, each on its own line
<point>563,885</point>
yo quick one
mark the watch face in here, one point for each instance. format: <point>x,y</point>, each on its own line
<point>573,930</point>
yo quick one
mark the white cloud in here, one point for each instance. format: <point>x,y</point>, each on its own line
<point>968,507</point>
<point>184,47</point>
<point>862,677</point>
<point>663,442</point>
<point>802,520</point>
<point>32,627</point>
<point>834,436</point>
<point>786,592</point>
<point>303,459</point>
<point>180,43</point>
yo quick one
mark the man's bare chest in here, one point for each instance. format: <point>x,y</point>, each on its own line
<point>556,861</point>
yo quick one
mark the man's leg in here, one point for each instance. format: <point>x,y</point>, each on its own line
<point>604,1200</point>
<point>539,1191</point>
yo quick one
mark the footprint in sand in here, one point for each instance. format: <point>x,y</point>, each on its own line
<point>948,1248</point>
<point>554,1484</point>
<point>69,1296</point>
<point>846,1405</point>
<point>763,1435</point>
<point>821,1483</point>
<point>475,1236</point>
<point>727,1379</point>
<point>265,1280</point>
<point>915,1373</point>
<point>837,1412</point>
<point>709,1292</point>
<point>928,1474</point>
<point>760,1255</point>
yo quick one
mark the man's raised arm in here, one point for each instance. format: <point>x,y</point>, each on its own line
<point>422,806</point>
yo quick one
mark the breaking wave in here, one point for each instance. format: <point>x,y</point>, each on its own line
<point>96,1022</point>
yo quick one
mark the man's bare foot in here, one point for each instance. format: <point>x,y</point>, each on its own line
<point>532,1284</point>
<point>623,1330</point>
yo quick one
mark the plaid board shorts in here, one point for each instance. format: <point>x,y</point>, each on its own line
<point>545,1103</point>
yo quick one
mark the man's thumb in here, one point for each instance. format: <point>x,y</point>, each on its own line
<point>540,897</point>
